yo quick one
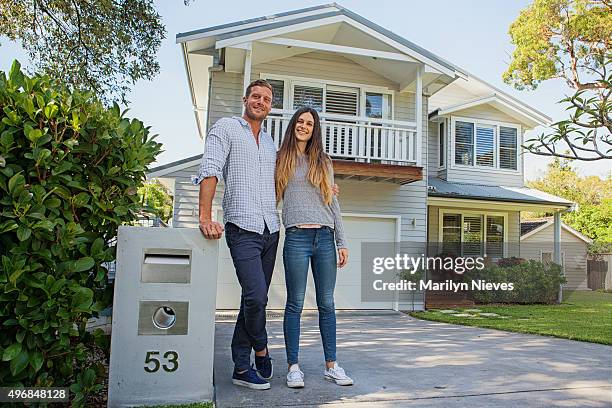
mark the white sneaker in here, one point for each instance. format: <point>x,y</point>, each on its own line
<point>337,375</point>
<point>295,377</point>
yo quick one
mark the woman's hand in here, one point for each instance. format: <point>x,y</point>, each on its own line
<point>342,257</point>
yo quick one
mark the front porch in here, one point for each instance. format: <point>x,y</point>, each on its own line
<point>476,220</point>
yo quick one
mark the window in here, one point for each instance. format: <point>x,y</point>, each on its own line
<point>278,86</point>
<point>495,236</point>
<point>507,148</point>
<point>485,144</point>
<point>441,144</point>
<point>464,143</point>
<point>342,100</point>
<point>472,234</point>
<point>304,95</point>
<point>377,105</point>
<point>451,234</point>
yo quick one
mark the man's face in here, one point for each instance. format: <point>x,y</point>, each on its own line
<point>259,103</point>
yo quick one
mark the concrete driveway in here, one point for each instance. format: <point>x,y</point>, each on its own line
<point>398,361</point>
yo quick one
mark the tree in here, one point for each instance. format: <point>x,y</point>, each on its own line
<point>570,40</point>
<point>154,198</point>
<point>100,45</point>
<point>592,194</point>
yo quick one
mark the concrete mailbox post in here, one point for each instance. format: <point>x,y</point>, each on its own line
<point>162,342</point>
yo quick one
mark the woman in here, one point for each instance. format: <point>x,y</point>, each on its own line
<point>311,216</point>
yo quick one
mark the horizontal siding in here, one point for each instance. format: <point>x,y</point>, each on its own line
<point>514,226</point>
<point>225,96</point>
<point>486,112</point>
<point>484,177</point>
<point>575,254</point>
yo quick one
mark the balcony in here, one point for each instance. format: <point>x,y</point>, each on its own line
<point>363,148</point>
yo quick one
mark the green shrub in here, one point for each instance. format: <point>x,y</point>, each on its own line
<point>69,173</point>
<point>534,282</point>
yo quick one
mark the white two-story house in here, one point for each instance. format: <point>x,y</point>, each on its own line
<point>422,150</point>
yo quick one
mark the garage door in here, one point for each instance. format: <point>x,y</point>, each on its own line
<point>348,284</point>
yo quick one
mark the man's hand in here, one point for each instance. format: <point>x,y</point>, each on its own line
<point>336,190</point>
<point>211,229</point>
<point>342,257</point>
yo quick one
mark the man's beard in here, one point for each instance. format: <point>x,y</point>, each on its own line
<point>253,116</point>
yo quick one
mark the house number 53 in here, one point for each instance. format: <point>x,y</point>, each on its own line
<point>152,363</point>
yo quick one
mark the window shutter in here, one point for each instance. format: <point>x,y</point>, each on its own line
<point>495,236</point>
<point>472,234</point>
<point>278,87</point>
<point>308,96</point>
<point>464,143</point>
<point>508,148</point>
<point>485,137</point>
<point>343,101</point>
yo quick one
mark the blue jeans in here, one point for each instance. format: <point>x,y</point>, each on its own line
<point>253,255</point>
<point>314,246</point>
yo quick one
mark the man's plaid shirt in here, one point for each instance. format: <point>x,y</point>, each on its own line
<point>232,155</point>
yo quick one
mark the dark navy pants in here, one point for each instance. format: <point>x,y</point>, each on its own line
<point>253,255</point>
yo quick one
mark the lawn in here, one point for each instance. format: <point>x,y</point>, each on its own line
<point>583,316</point>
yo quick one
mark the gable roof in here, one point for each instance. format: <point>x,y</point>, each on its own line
<point>527,226</point>
<point>266,23</point>
<point>504,103</point>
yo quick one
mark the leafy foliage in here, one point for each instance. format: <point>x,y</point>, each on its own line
<point>156,199</point>
<point>100,45</point>
<point>592,194</point>
<point>69,173</point>
<point>534,282</point>
<point>566,39</point>
<point>571,40</point>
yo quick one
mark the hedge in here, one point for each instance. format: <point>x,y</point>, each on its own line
<point>70,169</point>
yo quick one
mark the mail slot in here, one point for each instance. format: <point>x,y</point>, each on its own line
<point>166,265</point>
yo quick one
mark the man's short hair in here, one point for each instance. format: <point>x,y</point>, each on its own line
<point>258,82</point>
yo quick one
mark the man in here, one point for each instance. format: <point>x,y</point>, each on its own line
<point>243,154</point>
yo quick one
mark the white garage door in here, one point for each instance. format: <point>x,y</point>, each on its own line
<point>348,284</point>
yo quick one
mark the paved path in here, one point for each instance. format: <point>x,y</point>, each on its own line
<point>398,361</point>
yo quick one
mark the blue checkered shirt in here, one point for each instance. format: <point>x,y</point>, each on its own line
<point>231,154</point>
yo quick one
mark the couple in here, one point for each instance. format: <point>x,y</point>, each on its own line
<point>243,154</point>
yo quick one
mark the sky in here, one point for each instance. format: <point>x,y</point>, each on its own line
<point>472,34</point>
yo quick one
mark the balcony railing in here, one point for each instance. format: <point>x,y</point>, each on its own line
<point>361,139</point>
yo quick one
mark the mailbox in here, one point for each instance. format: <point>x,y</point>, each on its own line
<point>162,341</point>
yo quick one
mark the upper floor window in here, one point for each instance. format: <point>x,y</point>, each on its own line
<point>464,143</point>
<point>508,148</point>
<point>305,95</point>
<point>485,145</point>
<point>333,97</point>
<point>279,93</point>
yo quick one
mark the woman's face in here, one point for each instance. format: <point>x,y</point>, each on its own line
<point>304,126</point>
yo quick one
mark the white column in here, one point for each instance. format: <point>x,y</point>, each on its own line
<point>557,247</point>
<point>419,116</point>
<point>247,71</point>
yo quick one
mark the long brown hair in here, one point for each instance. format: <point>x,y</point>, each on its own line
<point>319,163</point>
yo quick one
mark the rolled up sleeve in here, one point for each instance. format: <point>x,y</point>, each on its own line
<point>216,151</point>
